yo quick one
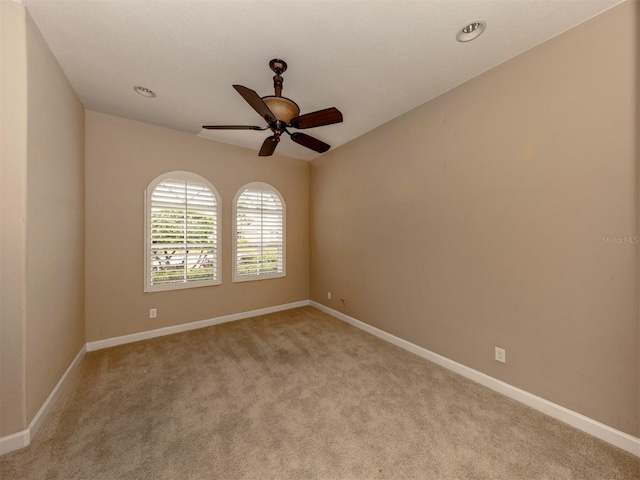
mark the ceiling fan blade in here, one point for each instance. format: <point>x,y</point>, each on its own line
<point>233,127</point>
<point>269,145</point>
<point>310,142</point>
<point>256,102</point>
<point>317,119</point>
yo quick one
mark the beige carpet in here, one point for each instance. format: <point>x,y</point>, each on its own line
<point>295,395</point>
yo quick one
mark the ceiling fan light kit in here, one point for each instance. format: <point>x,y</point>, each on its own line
<point>281,113</point>
<point>283,108</point>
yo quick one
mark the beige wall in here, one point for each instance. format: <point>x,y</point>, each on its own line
<point>122,158</point>
<point>477,220</point>
<point>13,211</point>
<point>42,221</point>
<point>55,330</point>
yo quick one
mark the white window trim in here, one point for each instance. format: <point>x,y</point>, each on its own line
<point>262,276</point>
<point>187,177</point>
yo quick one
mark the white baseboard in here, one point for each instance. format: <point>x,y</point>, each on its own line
<point>23,438</point>
<point>36,423</point>
<point>185,327</point>
<point>15,441</point>
<point>599,430</point>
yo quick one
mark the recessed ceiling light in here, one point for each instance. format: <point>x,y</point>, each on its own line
<point>145,92</point>
<point>471,31</point>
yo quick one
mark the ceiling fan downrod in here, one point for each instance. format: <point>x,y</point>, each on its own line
<point>279,67</point>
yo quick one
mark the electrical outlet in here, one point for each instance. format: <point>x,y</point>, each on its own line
<point>501,355</point>
<point>329,295</point>
<point>153,312</point>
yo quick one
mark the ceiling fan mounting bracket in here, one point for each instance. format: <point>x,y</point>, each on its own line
<point>278,66</point>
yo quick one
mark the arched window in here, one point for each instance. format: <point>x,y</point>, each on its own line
<point>259,233</point>
<point>182,229</point>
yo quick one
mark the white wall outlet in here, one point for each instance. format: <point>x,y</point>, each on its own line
<point>153,312</point>
<point>501,355</point>
<point>329,295</point>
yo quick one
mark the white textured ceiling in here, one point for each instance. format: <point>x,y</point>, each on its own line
<point>373,60</point>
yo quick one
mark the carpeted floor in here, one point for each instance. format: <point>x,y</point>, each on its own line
<point>295,395</point>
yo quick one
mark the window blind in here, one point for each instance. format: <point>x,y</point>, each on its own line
<point>183,233</point>
<point>259,234</point>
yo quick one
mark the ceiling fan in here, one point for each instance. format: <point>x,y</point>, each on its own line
<point>282,113</point>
